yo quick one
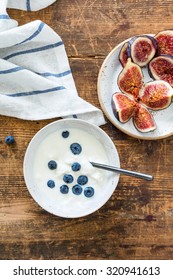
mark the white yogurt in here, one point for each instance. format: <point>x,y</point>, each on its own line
<point>55,147</point>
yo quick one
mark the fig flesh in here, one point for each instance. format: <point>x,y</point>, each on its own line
<point>165,42</point>
<point>156,95</point>
<point>124,54</point>
<point>143,49</point>
<point>130,79</point>
<point>143,119</point>
<point>123,106</point>
<point>161,68</point>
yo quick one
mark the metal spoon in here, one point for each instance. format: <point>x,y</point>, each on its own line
<point>123,171</point>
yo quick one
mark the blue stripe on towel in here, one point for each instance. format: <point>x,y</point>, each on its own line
<point>28,5</point>
<point>35,92</point>
<point>4,17</point>
<point>42,24</point>
<point>58,75</point>
<point>51,46</point>
<point>12,70</point>
<point>46,74</point>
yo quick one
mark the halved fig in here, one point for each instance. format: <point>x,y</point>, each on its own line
<point>124,54</point>
<point>165,42</point>
<point>143,49</point>
<point>156,95</point>
<point>130,79</point>
<point>143,119</point>
<point>161,68</point>
<point>123,106</point>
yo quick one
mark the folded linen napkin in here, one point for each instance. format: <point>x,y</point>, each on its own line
<point>35,77</point>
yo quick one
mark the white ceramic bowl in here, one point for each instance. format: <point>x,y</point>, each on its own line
<point>96,146</point>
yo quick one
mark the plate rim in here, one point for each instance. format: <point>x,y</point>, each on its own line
<point>104,108</point>
<point>31,189</point>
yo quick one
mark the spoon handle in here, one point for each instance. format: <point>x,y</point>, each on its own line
<point>123,171</point>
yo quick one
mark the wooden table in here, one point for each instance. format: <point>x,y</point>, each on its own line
<point>137,221</point>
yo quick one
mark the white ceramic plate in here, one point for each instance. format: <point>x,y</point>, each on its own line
<point>96,146</point>
<point>107,85</point>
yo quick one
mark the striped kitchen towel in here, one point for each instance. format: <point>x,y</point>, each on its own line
<point>29,5</point>
<point>36,81</point>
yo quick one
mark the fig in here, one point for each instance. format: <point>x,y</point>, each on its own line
<point>130,79</point>
<point>161,68</point>
<point>143,119</point>
<point>123,106</point>
<point>156,95</point>
<point>143,49</point>
<point>124,54</point>
<point>165,42</point>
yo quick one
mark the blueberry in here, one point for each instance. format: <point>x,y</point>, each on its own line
<point>68,178</point>
<point>52,164</point>
<point>76,166</point>
<point>51,184</point>
<point>9,139</point>
<point>64,189</point>
<point>65,134</point>
<point>88,191</point>
<point>82,180</point>
<point>77,189</point>
<point>76,148</point>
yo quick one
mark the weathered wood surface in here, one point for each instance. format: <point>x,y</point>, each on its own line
<point>137,222</point>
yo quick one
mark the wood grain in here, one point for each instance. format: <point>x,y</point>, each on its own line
<point>137,221</point>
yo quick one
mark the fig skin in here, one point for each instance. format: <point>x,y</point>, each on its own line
<point>123,106</point>
<point>161,68</point>
<point>143,48</point>
<point>156,95</point>
<point>124,54</point>
<point>165,42</point>
<point>143,119</point>
<point>130,79</point>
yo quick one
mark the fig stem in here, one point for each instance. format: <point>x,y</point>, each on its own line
<point>123,171</point>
